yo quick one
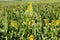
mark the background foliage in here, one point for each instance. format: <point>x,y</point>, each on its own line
<point>15,24</point>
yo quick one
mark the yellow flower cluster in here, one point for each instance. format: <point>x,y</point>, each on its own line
<point>29,10</point>
<point>51,24</point>
<point>57,22</point>
<point>33,21</point>
<point>31,37</point>
<point>13,23</point>
<point>29,22</point>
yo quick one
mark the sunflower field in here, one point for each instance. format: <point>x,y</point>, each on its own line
<point>30,21</point>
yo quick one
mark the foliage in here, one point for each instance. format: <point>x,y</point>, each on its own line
<point>25,21</point>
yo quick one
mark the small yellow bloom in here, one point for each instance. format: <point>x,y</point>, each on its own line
<point>29,10</point>
<point>31,37</point>
<point>33,21</point>
<point>57,22</point>
<point>52,23</point>
<point>12,23</point>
